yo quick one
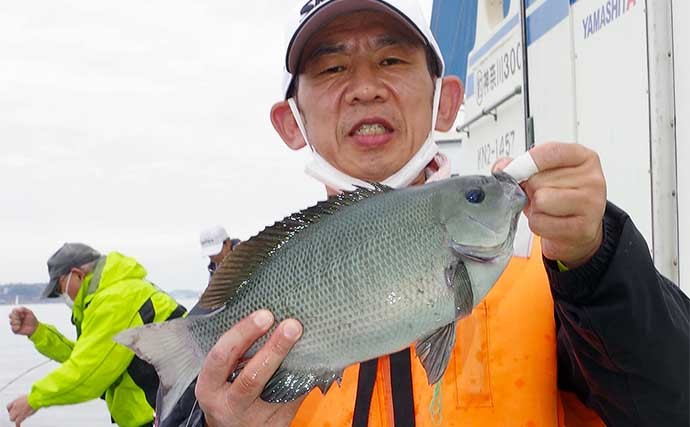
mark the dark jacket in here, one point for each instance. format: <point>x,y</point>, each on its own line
<point>623,332</point>
<point>623,339</point>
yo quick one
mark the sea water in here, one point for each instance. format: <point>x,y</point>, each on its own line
<point>17,354</point>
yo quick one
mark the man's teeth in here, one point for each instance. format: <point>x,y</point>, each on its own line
<point>372,129</point>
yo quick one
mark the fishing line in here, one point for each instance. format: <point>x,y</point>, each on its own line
<point>435,405</point>
<point>13,380</point>
<point>191,412</point>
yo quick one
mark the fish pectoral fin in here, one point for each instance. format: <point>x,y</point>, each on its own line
<point>434,352</point>
<point>286,385</point>
<point>458,279</point>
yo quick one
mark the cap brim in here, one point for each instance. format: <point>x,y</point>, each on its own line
<point>328,12</point>
<point>212,249</point>
<point>50,290</point>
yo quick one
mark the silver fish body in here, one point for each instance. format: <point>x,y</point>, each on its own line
<point>366,273</point>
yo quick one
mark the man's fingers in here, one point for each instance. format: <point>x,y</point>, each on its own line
<point>568,177</point>
<point>501,164</point>
<point>561,202</point>
<point>552,155</point>
<point>223,357</point>
<point>250,382</point>
<point>557,228</point>
<point>576,228</point>
<point>16,315</point>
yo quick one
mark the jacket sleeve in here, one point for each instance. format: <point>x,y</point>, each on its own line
<point>51,343</point>
<point>96,361</point>
<point>623,332</point>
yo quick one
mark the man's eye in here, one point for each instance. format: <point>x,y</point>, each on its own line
<point>334,69</point>
<point>391,61</point>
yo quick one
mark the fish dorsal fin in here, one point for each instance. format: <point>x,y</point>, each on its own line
<point>241,263</point>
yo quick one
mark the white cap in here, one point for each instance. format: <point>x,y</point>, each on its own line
<point>212,239</point>
<point>314,14</point>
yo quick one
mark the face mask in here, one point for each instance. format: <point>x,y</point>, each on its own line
<point>321,170</point>
<point>65,295</point>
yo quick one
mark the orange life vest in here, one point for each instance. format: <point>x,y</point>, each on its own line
<point>502,371</point>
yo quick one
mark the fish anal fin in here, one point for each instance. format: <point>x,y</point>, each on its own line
<point>286,386</point>
<point>329,380</point>
<point>434,351</point>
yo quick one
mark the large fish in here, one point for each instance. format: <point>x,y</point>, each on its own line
<point>367,273</point>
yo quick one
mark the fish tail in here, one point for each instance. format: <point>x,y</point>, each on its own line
<point>173,352</point>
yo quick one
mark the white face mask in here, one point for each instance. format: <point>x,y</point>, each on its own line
<point>65,295</point>
<point>320,169</point>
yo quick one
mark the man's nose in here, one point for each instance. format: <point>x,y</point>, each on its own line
<point>366,86</point>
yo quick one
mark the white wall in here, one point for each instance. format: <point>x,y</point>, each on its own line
<point>613,104</point>
<point>681,48</point>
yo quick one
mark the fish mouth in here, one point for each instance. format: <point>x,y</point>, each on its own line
<point>511,187</point>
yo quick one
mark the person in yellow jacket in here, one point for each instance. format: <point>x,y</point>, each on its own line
<point>107,294</point>
<point>584,332</point>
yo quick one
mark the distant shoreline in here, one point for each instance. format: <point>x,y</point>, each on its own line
<point>30,293</point>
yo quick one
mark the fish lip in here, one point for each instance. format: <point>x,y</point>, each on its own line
<point>371,121</point>
<point>516,193</point>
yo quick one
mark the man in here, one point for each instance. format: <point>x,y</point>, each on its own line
<point>588,334</point>
<point>216,245</point>
<point>107,294</point>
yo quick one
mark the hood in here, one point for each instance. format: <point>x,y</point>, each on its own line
<point>119,267</point>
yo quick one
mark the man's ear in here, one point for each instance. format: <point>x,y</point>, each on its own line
<point>285,124</point>
<point>77,272</point>
<point>452,94</point>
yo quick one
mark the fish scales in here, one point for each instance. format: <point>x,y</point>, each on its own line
<point>342,275</point>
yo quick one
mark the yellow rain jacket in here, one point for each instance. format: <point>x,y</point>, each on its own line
<point>112,298</point>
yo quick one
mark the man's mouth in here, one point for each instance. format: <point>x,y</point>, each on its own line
<point>371,129</point>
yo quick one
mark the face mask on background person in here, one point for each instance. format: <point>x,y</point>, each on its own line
<point>65,294</point>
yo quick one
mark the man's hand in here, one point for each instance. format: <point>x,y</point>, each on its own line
<point>23,321</point>
<point>567,199</point>
<point>239,403</point>
<point>20,410</point>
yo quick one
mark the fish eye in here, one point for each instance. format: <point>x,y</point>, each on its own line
<point>475,195</point>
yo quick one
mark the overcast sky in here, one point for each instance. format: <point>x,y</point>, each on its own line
<point>131,125</point>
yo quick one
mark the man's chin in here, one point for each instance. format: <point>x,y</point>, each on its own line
<point>373,169</point>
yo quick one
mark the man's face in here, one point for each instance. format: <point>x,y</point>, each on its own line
<point>224,251</point>
<point>366,94</point>
<point>71,282</point>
